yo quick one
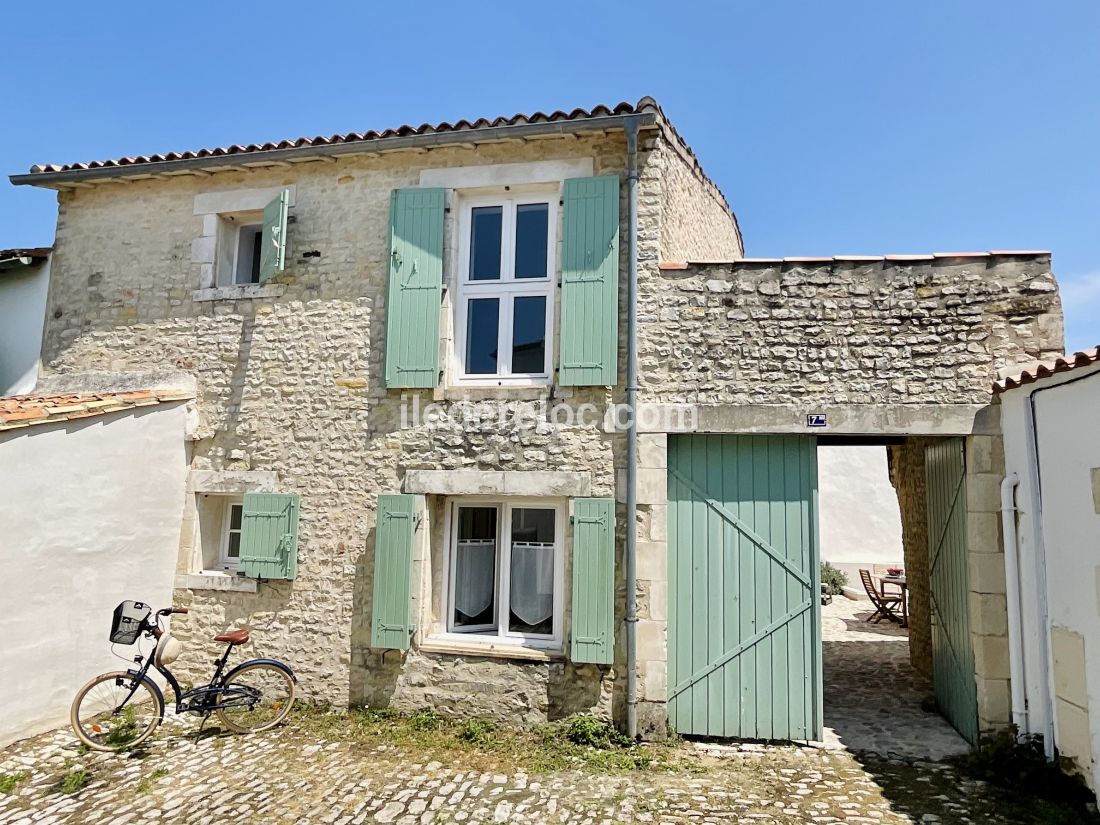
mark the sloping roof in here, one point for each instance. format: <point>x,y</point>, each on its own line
<point>646,104</point>
<point>18,411</point>
<point>1046,369</point>
<point>14,258</point>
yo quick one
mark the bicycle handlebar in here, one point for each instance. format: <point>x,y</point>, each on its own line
<point>168,611</point>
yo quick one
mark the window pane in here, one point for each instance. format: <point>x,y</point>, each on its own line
<point>531,575</point>
<point>235,512</point>
<point>485,229</point>
<point>529,334</point>
<point>532,231</point>
<point>482,323</point>
<point>234,550</point>
<point>475,567</point>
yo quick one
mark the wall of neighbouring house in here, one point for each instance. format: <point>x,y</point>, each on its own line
<point>291,384</point>
<point>859,518</point>
<point>93,520</point>
<point>22,310</point>
<point>1058,516</point>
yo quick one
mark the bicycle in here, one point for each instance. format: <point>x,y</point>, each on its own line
<point>121,709</point>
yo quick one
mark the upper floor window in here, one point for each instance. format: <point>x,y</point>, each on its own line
<point>239,248</point>
<point>505,287</point>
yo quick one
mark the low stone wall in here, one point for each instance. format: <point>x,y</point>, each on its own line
<point>874,332</point>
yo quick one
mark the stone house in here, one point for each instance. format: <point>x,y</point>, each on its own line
<point>412,477</point>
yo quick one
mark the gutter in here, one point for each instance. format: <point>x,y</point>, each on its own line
<point>632,439</point>
<point>273,157</point>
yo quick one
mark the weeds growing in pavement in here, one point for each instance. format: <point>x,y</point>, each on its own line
<point>8,781</point>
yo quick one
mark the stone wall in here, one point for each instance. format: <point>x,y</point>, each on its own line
<point>907,474</point>
<point>876,332</point>
<point>697,223</point>
<point>985,468</point>
<point>290,382</point>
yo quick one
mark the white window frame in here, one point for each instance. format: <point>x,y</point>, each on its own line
<point>508,287</point>
<point>501,634</point>
<point>225,561</point>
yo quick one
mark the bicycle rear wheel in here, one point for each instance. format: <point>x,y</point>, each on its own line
<point>110,713</point>
<point>255,697</point>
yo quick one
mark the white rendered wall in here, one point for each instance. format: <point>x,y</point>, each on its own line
<point>90,516</point>
<point>858,509</point>
<point>22,313</point>
<point>1067,531</point>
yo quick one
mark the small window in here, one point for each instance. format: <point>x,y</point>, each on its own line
<point>248,254</point>
<point>505,291</point>
<point>505,571</point>
<point>239,238</point>
<point>230,558</point>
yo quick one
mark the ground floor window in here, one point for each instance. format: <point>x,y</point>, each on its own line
<point>505,570</point>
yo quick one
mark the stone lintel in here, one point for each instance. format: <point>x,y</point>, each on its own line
<point>841,419</point>
<point>501,483</point>
<point>232,481</point>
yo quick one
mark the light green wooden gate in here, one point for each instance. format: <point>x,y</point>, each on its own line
<point>744,624</point>
<point>952,652</point>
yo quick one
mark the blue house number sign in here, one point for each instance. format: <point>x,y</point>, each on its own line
<point>815,420</point>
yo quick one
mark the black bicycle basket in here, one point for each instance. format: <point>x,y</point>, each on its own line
<point>128,621</point>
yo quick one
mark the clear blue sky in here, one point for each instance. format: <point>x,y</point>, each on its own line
<point>832,127</point>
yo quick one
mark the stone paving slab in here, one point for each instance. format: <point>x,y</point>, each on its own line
<point>873,697</point>
<point>284,777</point>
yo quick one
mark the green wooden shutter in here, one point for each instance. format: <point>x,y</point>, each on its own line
<point>593,609</point>
<point>273,243</point>
<point>590,282</point>
<point>269,535</point>
<point>415,287</point>
<point>393,551</point>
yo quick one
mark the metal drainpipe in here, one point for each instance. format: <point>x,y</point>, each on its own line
<point>1012,598</point>
<point>632,437</point>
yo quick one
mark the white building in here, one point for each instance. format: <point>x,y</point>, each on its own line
<point>24,281</point>
<point>94,488</point>
<point>1050,416</point>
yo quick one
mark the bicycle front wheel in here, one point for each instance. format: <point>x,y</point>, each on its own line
<point>255,697</point>
<point>111,713</point>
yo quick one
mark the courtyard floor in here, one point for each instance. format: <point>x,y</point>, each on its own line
<point>878,766</point>
<point>872,695</point>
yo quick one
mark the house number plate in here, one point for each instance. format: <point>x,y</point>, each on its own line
<point>815,420</point>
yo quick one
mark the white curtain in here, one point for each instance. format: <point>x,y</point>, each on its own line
<point>532,581</point>
<point>475,574</point>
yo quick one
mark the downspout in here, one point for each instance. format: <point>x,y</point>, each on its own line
<point>632,435</point>
<point>1012,598</point>
<point>1031,437</point>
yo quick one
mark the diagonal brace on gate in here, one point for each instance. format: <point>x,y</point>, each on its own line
<point>728,516</point>
<point>729,655</point>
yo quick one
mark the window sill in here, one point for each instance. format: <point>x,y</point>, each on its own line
<point>505,392</point>
<point>215,580</point>
<point>448,646</point>
<point>238,292</point>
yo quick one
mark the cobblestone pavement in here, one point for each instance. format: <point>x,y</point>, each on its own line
<point>284,777</point>
<point>872,694</point>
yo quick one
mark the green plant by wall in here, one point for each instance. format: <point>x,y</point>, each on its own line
<point>833,578</point>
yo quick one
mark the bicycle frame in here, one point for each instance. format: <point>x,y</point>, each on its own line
<point>204,694</point>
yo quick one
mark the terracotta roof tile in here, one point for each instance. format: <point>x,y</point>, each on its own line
<point>26,410</point>
<point>646,104</point>
<point>1045,369</point>
<point>898,258</point>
